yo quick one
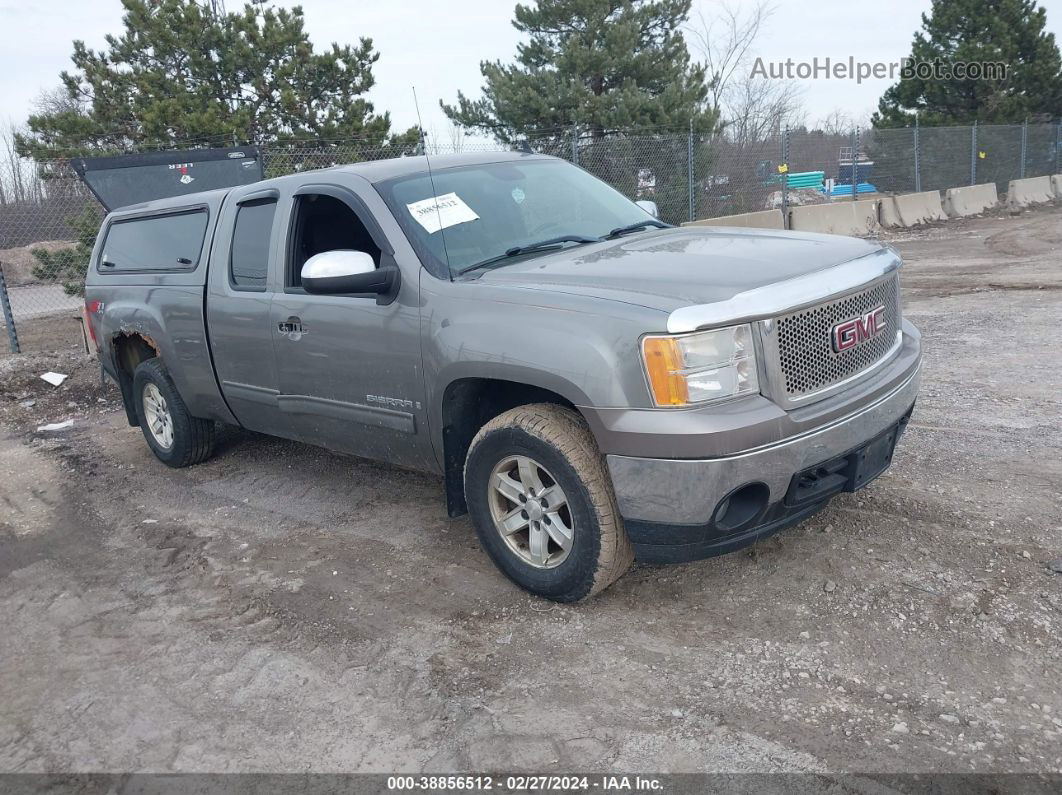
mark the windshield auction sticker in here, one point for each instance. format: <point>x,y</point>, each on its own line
<point>441,212</point>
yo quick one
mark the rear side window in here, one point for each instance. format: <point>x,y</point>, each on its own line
<point>249,260</point>
<point>155,243</point>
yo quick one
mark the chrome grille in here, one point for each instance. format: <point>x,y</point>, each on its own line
<point>806,358</point>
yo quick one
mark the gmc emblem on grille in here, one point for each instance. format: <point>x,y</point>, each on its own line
<point>858,330</point>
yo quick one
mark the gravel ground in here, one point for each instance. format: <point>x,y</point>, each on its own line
<point>52,332</point>
<point>283,609</point>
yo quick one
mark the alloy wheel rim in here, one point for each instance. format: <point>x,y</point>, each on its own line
<point>530,512</point>
<point>157,415</point>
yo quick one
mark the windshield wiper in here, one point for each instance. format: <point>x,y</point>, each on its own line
<point>530,247</point>
<point>553,241</point>
<point>623,230</point>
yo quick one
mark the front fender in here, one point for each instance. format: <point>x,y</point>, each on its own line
<point>589,358</point>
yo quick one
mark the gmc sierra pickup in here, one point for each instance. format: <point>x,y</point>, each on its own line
<point>593,385</point>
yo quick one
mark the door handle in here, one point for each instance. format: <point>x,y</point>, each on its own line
<point>292,327</point>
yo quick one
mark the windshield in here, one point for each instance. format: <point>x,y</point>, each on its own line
<point>487,210</point>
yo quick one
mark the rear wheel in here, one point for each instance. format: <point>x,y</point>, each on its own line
<point>175,437</point>
<point>542,503</point>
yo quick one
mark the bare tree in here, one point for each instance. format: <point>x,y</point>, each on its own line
<point>456,133</point>
<point>6,187</point>
<point>51,101</point>
<point>432,142</point>
<point>21,179</point>
<point>725,44</point>
<point>451,140</point>
<point>756,109</point>
<point>18,182</point>
<point>749,107</point>
<point>836,122</point>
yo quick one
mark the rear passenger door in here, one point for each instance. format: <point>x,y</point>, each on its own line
<point>239,305</point>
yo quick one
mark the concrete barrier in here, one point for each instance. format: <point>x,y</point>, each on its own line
<point>836,218</point>
<point>970,200</point>
<point>1034,190</point>
<point>765,219</point>
<point>1056,185</point>
<point>912,209</point>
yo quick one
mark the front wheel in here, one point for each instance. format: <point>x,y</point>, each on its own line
<point>175,437</point>
<point>542,503</point>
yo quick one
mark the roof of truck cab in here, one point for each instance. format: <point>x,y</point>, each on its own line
<point>374,171</point>
<point>380,170</point>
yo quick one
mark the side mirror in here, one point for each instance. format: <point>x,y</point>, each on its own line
<point>649,207</point>
<point>342,272</point>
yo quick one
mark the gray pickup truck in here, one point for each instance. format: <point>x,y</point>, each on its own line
<point>593,385</point>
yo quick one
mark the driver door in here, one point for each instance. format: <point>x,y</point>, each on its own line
<point>349,368</point>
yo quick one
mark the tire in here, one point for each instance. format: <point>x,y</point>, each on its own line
<point>556,441</point>
<point>191,439</point>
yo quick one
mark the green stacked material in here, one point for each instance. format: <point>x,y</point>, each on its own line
<point>801,179</point>
<point>807,179</point>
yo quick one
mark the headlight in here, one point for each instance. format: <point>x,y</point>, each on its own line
<point>700,367</point>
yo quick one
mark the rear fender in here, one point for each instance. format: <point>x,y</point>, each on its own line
<point>170,322</point>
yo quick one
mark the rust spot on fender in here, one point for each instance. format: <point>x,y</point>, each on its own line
<point>133,331</point>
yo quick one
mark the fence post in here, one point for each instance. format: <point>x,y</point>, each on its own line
<point>9,316</point>
<point>575,144</point>
<point>855,161</point>
<point>973,154</point>
<point>689,152</point>
<point>917,159</point>
<point>785,177</point>
<point>1024,145</point>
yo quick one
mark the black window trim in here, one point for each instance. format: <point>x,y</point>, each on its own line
<point>265,197</point>
<point>186,209</point>
<point>258,195</point>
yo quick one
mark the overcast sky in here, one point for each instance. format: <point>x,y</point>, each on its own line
<point>438,46</point>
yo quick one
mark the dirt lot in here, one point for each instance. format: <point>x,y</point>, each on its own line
<point>58,331</point>
<point>46,318</point>
<point>283,609</point>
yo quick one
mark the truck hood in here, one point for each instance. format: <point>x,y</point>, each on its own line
<point>670,268</point>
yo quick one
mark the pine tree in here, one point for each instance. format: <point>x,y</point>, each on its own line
<point>68,265</point>
<point>1010,32</point>
<point>184,73</point>
<point>605,65</point>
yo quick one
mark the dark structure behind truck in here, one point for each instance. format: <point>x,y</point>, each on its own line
<point>122,180</point>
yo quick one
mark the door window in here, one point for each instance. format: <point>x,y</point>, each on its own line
<point>249,259</point>
<point>324,223</point>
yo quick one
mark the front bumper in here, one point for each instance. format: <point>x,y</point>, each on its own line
<point>668,504</point>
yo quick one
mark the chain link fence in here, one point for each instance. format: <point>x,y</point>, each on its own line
<point>48,219</point>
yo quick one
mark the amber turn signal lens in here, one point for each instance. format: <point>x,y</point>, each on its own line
<point>663,363</point>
